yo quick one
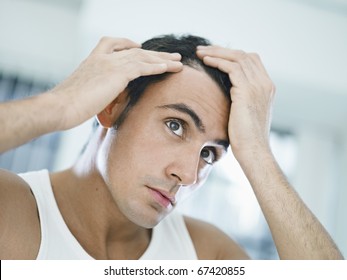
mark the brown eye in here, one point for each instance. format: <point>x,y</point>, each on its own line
<point>176,127</point>
<point>208,155</point>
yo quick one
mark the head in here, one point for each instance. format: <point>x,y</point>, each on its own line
<point>186,46</point>
<point>167,130</point>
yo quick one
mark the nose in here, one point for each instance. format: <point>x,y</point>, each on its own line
<point>184,169</point>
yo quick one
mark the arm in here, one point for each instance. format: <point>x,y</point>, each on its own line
<point>97,82</point>
<point>211,243</point>
<point>19,220</point>
<point>295,230</point>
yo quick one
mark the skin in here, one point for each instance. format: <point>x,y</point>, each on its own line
<point>111,210</point>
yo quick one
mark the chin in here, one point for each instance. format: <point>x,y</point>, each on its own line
<point>148,219</point>
<point>147,223</point>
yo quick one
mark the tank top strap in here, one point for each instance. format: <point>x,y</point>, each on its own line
<point>57,241</point>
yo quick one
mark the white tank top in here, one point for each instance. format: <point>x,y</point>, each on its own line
<point>170,238</point>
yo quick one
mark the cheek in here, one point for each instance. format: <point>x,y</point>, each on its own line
<point>135,151</point>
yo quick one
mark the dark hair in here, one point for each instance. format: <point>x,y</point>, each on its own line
<point>185,45</point>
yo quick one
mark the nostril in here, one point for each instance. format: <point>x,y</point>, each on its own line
<point>176,176</point>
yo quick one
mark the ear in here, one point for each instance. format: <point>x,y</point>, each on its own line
<point>110,114</point>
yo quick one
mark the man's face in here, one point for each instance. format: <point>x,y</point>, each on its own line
<point>166,145</point>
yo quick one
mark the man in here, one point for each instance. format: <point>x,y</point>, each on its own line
<point>157,140</point>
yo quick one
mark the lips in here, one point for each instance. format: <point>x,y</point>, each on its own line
<point>162,197</point>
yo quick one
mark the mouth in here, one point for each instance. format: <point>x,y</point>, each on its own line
<point>162,197</point>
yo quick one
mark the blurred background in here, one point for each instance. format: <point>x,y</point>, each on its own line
<point>303,44</point>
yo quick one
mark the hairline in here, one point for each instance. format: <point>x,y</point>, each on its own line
<point>123,115</point>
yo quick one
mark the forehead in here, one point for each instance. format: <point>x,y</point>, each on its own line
<point>190,86</point>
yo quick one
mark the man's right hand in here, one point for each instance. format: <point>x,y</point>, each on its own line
<point>104,74</point>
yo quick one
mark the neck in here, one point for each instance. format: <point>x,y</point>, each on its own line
<point>91,213</point>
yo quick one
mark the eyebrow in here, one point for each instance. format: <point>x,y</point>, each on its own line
<point>183,108</point>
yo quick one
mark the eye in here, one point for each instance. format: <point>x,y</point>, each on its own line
<point>176,127</point>
<point>208,155</point>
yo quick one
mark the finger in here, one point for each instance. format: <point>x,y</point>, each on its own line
<point>216,51</point>
<point>225,55</point>
<point>170,60</point>
<point>147,69</point>
<point>249,62</point>
<point>109,45</point>
<point>163,55</point>
<point>257,61</point>
<point>174,66</point>
<point>255,72</point>
<point>152,57</point>
<point>146,55</point>
<point>233,69</point>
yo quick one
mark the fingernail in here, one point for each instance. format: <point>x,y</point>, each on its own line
<point>176,54</point>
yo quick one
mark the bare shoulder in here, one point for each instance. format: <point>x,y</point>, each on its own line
<point>19,221</point>
<point>212,243</point>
